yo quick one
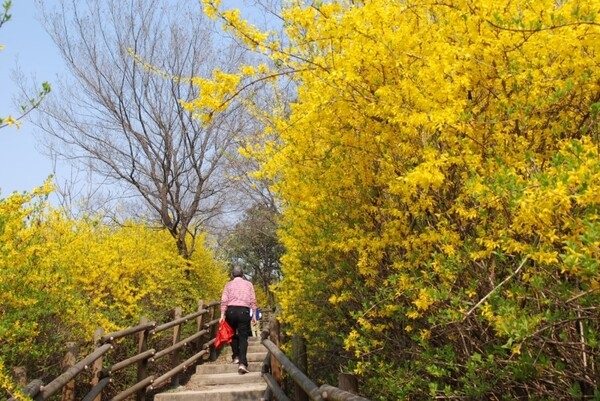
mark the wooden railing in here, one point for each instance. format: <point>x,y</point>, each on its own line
<point>148,379</point>
<point>277,362</point>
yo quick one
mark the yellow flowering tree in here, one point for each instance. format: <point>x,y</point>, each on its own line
<point>438,173</point>
<point>63,278</point>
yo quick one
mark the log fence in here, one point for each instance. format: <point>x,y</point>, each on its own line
<point>145,358</point>
<point>275,367</point>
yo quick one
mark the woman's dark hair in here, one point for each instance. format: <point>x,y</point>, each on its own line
<point>237,271</point>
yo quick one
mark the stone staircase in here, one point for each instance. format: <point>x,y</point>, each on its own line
<point>220,380</point>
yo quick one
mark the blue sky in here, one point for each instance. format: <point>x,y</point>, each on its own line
<point>26,45</point>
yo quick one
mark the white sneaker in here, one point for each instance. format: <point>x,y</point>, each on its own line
<point>236,360</point>
<point>242,369</point>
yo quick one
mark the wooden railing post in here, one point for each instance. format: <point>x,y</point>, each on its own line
<point>68,391</point>
<point>175,356</point>
<point>142,366</point>
<point>199,322</point>
<point>97,365</point>
<point>276,370</point>
<point>299,359</point>
<point>348,382</point>
<point>213,330</point>
<point>20,374</point>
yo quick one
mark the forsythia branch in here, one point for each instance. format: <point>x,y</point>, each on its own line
<point>482,300</point>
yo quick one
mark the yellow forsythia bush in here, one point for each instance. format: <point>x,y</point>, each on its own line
<point>438,174</point>
<point>61,278</point>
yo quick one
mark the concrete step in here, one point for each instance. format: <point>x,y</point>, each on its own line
<point>213,379</point>
<point>254,341</point>
<point>218,381</point>
<point>256,356</point>
<point>256,352</point>
<point>234,392</point>
<point>211,368</point>
<point>251,355</point>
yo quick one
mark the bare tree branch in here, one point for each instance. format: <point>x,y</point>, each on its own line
<point>126,122</point>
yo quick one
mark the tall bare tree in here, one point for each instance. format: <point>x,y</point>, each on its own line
<point>125,121</point>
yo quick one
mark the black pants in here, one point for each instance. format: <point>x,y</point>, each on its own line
<point>238,317</point>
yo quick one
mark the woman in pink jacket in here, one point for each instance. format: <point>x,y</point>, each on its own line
<point>238,305</point>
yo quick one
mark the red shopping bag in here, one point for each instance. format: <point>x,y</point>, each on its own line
<point>224,334</point>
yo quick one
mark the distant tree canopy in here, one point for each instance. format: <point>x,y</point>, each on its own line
<point>253,243</point>
<point>439,176</point>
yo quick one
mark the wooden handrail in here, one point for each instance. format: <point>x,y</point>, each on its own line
<point>123,333</point>
<point>134,389</point>
<point>180,368</point>
<point>58,383</point>
<point>31,389</point>
<point>127,362</point>
<point>179,321</point>
<point>211,323</point>
<point>335,394</point>
<point>97,390</point>
<point>325,392</point>
<point>296,374</point>
<point>277,391</point>
<point>178,345</point>
<point>209,343</point>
